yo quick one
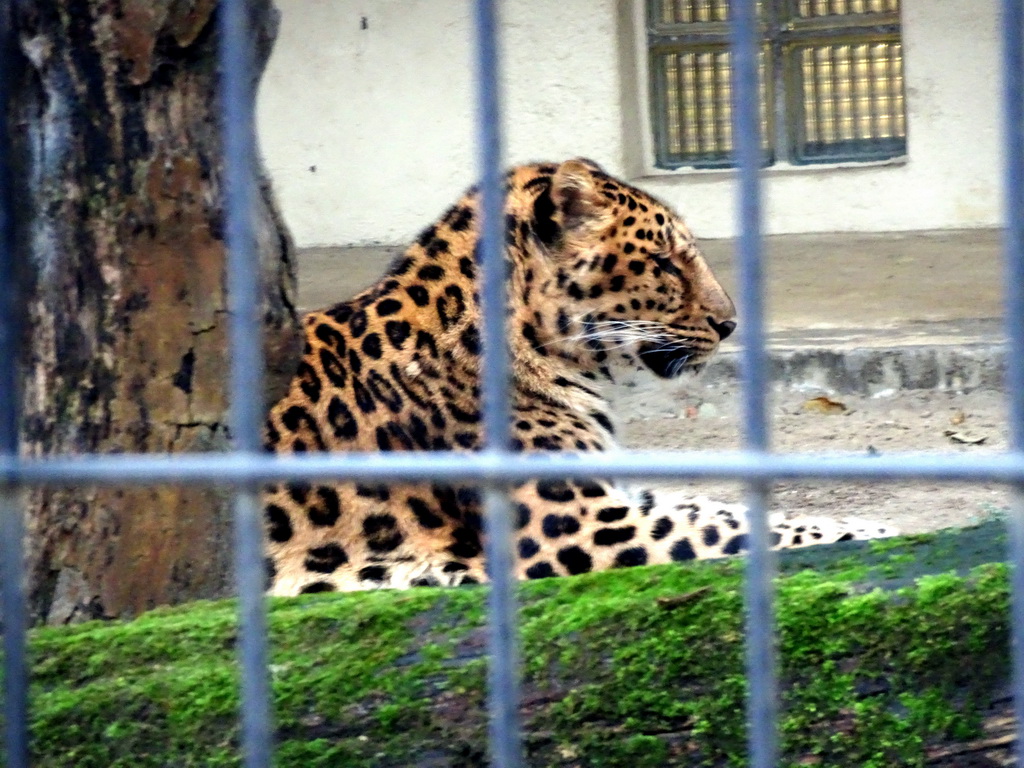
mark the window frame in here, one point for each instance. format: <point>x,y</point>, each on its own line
<point>783,34</point>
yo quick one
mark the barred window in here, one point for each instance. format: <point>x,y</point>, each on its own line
<point>831,81</point>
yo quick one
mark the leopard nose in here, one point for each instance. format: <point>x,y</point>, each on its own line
<point>723,329</point>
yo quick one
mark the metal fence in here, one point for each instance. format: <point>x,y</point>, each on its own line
<point>246,468</point>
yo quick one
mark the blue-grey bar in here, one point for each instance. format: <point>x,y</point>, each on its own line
<point>762,710</point>
<point>1013,117</point>
<point>243,267</point>
<point>12,598</point>
<point>1013,69</point>
<point>14,624</point>
<point>243,279</point>
<point>257,736</point>
<point>502,639</point>
<point>503,669</point>
<point>484,468</point>
<point>495,373</point>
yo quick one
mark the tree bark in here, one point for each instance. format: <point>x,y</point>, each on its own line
<point>118,158</point>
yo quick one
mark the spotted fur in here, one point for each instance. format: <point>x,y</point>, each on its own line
<point>602,277</point>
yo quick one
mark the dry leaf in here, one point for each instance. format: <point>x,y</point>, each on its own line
<point>823,405</point>
<point>965,438</point>
<point>958,418</point>
<point>674,601</point>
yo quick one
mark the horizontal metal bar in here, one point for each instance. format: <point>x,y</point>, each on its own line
<point>719,38</point>
<point>492,467</point>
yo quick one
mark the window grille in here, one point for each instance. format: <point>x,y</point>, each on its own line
<point>831,81</point>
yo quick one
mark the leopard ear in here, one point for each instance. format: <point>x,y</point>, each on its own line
<point>575,194</point>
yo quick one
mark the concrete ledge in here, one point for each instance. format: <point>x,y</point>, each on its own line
<point>876,370</point>
<point>946,356</point>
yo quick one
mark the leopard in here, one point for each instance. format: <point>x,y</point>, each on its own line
<point>602,278</point>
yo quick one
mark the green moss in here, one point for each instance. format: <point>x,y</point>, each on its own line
<point>640,667</point>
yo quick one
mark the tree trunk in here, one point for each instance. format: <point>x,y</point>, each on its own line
<point>118,154</point>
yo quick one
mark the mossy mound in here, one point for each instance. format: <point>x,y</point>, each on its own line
<point>891,653</point>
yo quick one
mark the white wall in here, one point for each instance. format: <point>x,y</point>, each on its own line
<point>385,116</point>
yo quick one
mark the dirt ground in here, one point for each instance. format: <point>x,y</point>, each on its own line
<point>911,421</point>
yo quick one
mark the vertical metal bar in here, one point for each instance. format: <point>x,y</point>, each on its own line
<point>1013,43</point>
<point>1013,116</point>
<point>819,111</point>
<point>681,107</point>
<point>760,648</point>
<point>503,672</point>
<point>243,278</point>
<point>716,104</point>
<point>855,106</point>
<point>14,626</point>
<point>837,97</point>
<point>873,101</point>
<point>700,102</point>
<point>12,599</point>
<point>747,129</point>
<point>780,115</point>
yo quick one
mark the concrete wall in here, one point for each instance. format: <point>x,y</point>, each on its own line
<point>367,119</point>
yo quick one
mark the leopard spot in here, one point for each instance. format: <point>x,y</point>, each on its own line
<point>309,382</point>
<point>555,490</point>
<point>377,573</point>
<point>682,551</point>
<point>467,543</point>
<point>384,392</point>
<point>332,366</point>
<point>381,532</point>
<point>575,560</point>
<point>342,422</point>
<point>606,537</point>
<point>430,272</point>
<point>471,340</point>
<point>662,527</point>
<point>631,557</point>
<point>611,514</point>
<point>554,526</point>
<point>419,295</point>
<point>542,570</point>
<point>327,509</point>
<point>357,324</point>
<point>388,307</point>
<point>316,586</point>
<point>280,529</point>
<point>522,516</point>
<point>331,337</point>
<point>528,548</point>
<point>397,332</point>
<point>371,346</point>
<point>325,559</point>
<point>363,400</point>
<point>379,492</point>
<point>735,545</point>
<point>462,219</point>
<point>425,516</point>
<point>590,490</point>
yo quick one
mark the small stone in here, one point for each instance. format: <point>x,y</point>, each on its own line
<point>707,411</point>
